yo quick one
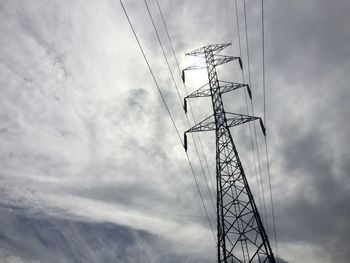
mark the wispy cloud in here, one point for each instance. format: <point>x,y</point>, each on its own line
<point>84,135</point>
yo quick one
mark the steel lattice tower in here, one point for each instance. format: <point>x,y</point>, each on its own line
<point>241,236</point>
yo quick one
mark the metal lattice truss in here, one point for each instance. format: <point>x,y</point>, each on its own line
<point>224,87</point>
<point>215,48</point>
<point>241,236</point>
<point>218,59</point>
<point>232,119</point>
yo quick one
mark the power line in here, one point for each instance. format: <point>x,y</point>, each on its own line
<point>174,82</point>
<point>168,35</point>
<point>266,147</point>
<point>238,32</point>
<point>184,85</point>
<point>200,195</point>
<point>169,113</point>
<point>151,71</point>
<point>263,56</point>
<point>246,102</point>
<point>190,105</point>
<point>271,197</point>
<point>253,113</point>
<point>264,99</point>
<point>161,46</point>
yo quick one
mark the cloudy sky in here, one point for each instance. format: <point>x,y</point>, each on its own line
<point>92,169</point>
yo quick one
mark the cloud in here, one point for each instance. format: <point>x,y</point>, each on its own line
<point>85,135</point>
<point>52,239</point>
<point>321,203</point>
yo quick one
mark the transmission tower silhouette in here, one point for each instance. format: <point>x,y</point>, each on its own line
<point>241,236</point>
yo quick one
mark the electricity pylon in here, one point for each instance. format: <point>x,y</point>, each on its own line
<point>241,236</point>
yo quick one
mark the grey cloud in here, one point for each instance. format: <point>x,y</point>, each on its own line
<point>80,116</point>
<point>60,240</point>
<point>316,212</point>
<point>281,260</point>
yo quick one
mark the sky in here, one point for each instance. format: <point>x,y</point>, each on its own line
<point>92,169</point>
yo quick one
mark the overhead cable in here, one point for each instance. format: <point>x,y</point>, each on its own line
<point>253,113</point>
<point>266,145</point>
<point>175,85</point>
<point>191,110</point>
<point>168,111</point>
<point>246,103</point>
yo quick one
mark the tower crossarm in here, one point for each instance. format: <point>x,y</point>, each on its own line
<point>224,86</point>
<point>206,125</point>
<point>220,59</point>
<point>232,119</point>
<point>203,91</point>
<point>200,65</point>
<point>214,48</point>
<point>227,86</point>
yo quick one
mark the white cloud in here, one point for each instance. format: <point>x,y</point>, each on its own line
<point>84,132</point>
